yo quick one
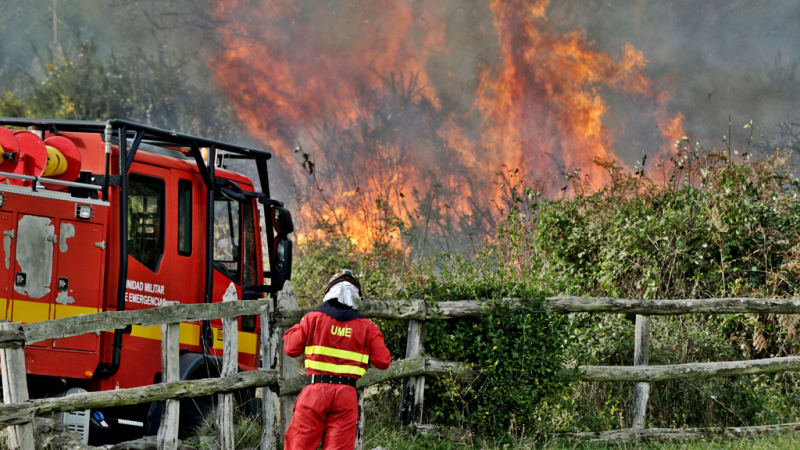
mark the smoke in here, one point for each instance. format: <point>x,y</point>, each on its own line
<point>410,97</point>
<point>33,31</point>
<point>717,58</point>
<point>408,109</point>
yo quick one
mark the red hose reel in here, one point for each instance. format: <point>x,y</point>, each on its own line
<point>24,153</point>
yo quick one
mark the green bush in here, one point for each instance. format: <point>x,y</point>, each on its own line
<point>517,353</point>
<point>713,224</point>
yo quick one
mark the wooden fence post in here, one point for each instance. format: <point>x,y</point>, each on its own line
<point>361,421</point>
<point>167,438</point>
<point>289,367</point>
<point>15,390</point>
<point>641,356</point>
<point>230,366</point>
<point>414,387</point>
<point>270,431</point>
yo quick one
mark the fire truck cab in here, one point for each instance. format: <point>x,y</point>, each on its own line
<point>111,216</point>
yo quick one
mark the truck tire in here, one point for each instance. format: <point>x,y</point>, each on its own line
<point>194,413</point>
<point>197,411</point>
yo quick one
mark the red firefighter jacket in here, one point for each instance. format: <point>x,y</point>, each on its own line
<point>337,340</point>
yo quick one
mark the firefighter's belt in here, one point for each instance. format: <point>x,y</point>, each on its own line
<point>331,379</point>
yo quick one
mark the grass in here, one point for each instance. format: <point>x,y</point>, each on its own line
<point>381,432</point>
<point>395,440</point>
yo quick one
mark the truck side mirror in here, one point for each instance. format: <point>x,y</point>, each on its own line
<point>282,270</point>
<point>281,258</point>
<point>282,220</point>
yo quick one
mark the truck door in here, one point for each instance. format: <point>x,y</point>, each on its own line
<point>148,235</point>
<point>33,270</point>
<point>81,258</point>
<point>149,266</point>
<point>252,275</point>
<point>235,258</point>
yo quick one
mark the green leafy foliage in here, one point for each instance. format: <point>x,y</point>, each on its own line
<point>713,224</point>
<point>517,353</point>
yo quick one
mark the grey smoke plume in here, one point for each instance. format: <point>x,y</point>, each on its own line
<point>720,57</point>
<point>715,59</point>
<point>724,58</point>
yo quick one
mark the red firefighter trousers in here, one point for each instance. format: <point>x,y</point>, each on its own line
<point>323,408</point>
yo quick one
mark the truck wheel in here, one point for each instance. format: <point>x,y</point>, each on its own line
<point>195,412</point>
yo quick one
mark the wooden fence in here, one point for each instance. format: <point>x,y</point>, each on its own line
<point>19,411</point>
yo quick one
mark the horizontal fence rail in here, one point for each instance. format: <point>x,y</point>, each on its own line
<point>673,307</point>
<point>426,311</point>
<point>380,309</point>
<point>404,368</point>
<point>686,371</point>
<point>19,413</point>
<point>681,434</point>
<point>110,320</point>
<point>14,336</point>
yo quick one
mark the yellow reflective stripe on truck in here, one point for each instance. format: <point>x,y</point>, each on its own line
<point>29,312</point>
<point>63,311</point>
<point>336,353</point>
<point>190,335</point>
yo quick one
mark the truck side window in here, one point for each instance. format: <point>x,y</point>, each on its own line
<point>185,218</point>
<point>146,219</point>
<point>227,222</point>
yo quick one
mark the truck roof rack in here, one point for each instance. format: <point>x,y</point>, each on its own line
<point>151,135</point>
<point>136,134</point>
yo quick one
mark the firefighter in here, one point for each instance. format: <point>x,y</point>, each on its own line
<point>338,343</point>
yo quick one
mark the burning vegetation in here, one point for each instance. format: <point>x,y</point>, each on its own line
<point>387,149</point>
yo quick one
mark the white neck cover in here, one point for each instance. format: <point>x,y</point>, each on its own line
<point>345,293</point>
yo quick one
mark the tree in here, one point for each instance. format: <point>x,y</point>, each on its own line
<point>153,90</point>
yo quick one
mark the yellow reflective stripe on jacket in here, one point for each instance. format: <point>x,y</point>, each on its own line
<point>335,368</point>
<point>336,353</point>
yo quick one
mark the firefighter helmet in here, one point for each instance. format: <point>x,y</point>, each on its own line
<point>344,275</point>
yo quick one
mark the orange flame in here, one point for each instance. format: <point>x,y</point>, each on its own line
<point>543,106</point>
<point>348,82</point>
<point>670,125</point>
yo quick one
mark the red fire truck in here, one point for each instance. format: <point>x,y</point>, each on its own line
<point>112,216</point>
